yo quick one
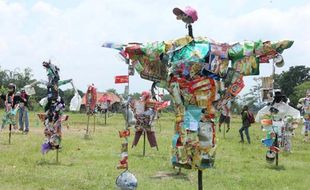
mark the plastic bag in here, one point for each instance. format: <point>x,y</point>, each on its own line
<point>43,101</point>
<point>236,51</point>
<point>192,118</point>
<point>29,90</point>
<point>75,103</point>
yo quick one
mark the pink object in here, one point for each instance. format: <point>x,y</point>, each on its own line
<point>145,95</point>
<point>189,11</point>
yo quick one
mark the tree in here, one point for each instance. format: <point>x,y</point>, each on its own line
<point>295,76</point>
<point>24,77</point>
<point>18,77</point>
<point>135,95</point>
<point>299,92</point>
<point>112,90</point>
<point>252,99</point>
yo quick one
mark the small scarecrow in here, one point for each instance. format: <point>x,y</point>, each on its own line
<point>144,113</point>
<point>91,103</point>
<point>11,106</point>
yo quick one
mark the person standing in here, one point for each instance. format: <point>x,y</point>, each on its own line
<point>225,116</point>
<point>245,124</point>
<point>23,112</point>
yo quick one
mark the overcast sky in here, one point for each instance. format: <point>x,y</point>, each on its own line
<point>71,32</point>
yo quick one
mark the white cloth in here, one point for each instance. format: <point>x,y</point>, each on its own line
<point>75,103</point>
<point>139,107</point>
<point>284,110</point>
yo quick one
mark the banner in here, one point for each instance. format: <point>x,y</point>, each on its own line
<point>121,79</point>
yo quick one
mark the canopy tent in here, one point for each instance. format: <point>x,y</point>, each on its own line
<point>104,96</point>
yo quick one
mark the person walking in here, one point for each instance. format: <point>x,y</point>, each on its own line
<point>23,112</point>
<point>245,124</point>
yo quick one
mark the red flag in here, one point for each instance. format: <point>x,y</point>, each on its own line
<point>121,79</point>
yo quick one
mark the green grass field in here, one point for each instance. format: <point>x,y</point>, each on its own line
<point>91,164</point>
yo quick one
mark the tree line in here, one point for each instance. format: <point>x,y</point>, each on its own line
<point>24,77</point>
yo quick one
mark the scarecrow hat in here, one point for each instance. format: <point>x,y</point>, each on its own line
<point>188,15</point>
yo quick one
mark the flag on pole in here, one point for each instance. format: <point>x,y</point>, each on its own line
<point>121,79</point>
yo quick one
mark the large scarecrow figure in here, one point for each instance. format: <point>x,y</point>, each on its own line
<point>201,75</point>
<point>53,109</point>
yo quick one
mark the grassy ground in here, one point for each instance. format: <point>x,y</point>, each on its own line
<point>91,164</point>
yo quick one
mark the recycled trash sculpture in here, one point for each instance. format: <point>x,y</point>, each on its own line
<point>91,102</point>
<point>196,73</point>
<point>11,107</point>
<point>278,119</point>
<point>144,113</point>
<point>145,110</point>
<point>53,116</point>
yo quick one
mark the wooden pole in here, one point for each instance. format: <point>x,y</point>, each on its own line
<point>57,150</point>
<point>87,124</point>
<point>200,180</point>
<point>224,129</point>
<point>143,142</point>
<point>87,135</point>
<point>10,133</point>
<point>105,117</point>
<point>277,154</point>
<point>94,123</point>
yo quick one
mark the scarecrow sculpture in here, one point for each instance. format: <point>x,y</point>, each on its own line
<point>91,102</point>
<point>54,107</point>
<point>11,103</point>
<point>145,111</point>
<point>197,75</point>
<point>11,107</point>
<point>278,119</point>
